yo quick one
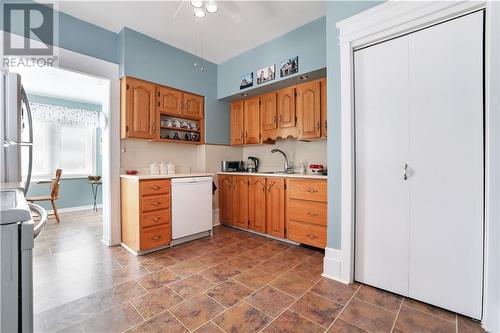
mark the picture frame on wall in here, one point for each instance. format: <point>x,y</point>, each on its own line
<point>246,80</point>
<point>289,66</point>
<point>265,74</point>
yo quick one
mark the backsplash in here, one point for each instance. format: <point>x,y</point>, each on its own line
<point>140,153</point>
<point>313,152</point>
<point>206,158</point>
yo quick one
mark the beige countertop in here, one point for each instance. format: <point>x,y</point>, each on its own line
<point>263,174</point>
<point>168,176</point>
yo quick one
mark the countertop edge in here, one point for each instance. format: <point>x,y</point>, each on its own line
<point>258,174</point>
<point>167,176</point>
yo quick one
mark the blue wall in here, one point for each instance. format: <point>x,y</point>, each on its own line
<point>146,58</point>
<point>307,42</point>
<point>335,12</point>
<point>73,192</point>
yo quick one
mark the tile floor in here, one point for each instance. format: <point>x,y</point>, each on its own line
<point>232,282</point>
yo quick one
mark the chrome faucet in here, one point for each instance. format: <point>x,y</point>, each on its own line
<point>287,166</point>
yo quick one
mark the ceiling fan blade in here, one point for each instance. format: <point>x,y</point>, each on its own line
<point>178,9</point>
<point>232,10</point>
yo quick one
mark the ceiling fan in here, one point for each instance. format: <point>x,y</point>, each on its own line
<point>202,7</point>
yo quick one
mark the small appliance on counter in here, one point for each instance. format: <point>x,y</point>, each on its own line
<point>253,164</point>
<point>232,166</point>
<point>316,169</point>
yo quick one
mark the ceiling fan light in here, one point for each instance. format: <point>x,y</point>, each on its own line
<point>199,12</point>
<point>197,3</point>
<point>211,6</point>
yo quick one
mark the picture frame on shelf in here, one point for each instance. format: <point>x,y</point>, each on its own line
<point>246,80</point>
<point>289,66</point>
<point>265,74</point>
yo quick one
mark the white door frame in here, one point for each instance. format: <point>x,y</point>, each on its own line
<point>391,19</point>
<point>109,72</point>
<point>87,65</point>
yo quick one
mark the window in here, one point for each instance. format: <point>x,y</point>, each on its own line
<point>63,138</point>
<point>71,149</point>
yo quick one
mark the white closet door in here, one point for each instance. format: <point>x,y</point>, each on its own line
<point>382,197</point>
<point>446,164</point>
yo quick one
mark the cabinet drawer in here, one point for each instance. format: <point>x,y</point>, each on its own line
<point>306,233</point>
<point>155,236</point>
<point>148,187</point>
<point>307,211</point>
<point>313,190</point>
<point>155,218</point>
<point>155,202</point>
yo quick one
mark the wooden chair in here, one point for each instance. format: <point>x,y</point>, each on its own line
<point>54,194</point>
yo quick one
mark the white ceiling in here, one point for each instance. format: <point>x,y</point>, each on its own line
<point>59,83</point>
<point>237,27</point>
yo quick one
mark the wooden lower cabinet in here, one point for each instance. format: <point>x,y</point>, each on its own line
<point>145,214</point>
<point>275,207</point>
<point>240,201</point>
<point>295,209</point>
<point>257,204</point>
<point>225,199</point>
<point>306,211</point>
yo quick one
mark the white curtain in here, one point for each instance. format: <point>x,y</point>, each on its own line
<point>64,116</point>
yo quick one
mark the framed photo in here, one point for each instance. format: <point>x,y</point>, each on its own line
<point>289,67</point>
<point>266,74</point>
<point>246,80</point>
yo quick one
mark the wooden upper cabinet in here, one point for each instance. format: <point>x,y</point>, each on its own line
<point>251,113</point>
<point>169,101</point>
<point>257,204</point>
<point>138,109</point>
<point>193,106</point>
<point>324,110</point>
<point>275,207</point>
<point>240,201</point>
<point>309,110</point>
<point>268,114</point>
<point>286,108</point>
<point>225,199</point>
<point>237,123</point>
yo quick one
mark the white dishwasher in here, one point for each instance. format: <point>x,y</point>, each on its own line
<point>191,208</point>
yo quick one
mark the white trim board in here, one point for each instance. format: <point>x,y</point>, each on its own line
<point>385,21</point>
<point>73,209</point>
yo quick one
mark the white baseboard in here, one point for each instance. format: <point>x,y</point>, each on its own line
<point>215,216</point>
<point>332,266</point>
<point>73,209</point>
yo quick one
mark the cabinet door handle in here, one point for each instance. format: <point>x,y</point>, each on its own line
<point>157,218</point>
<point>312,236</point>
<point>311,213</point>
<point>156,187</point>
<point>157,203</point>
<point>156,237</point>
<point>311,190</point>
<point>318,125</point>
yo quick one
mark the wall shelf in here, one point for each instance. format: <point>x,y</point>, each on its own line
<point>180,141</point>
<point>180,129</point>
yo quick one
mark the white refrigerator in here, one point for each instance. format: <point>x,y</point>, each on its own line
<point>17,227</point>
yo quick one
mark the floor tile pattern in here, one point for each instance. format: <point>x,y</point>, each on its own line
<point>234,281</point>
